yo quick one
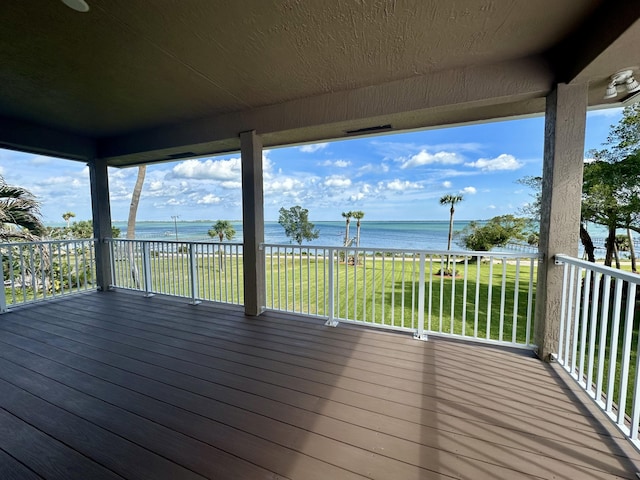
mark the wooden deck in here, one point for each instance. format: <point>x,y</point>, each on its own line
<point>114,385</point>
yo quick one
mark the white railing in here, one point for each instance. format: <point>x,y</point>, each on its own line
<point>598,343</point>
<point>195,270</point>
<point>37,271</point>
<point>486,297</point>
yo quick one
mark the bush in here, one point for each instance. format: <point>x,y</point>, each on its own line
<point>497,232</point>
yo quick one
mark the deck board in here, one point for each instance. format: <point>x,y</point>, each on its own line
<point>203,391</point>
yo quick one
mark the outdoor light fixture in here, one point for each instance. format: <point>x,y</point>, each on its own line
<point>77,5</point>
<point>623,78</point>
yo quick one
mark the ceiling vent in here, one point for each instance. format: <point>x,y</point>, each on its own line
<point>377,128</point>
<point>175,156</point>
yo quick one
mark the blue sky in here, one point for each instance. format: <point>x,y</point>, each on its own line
<point>389,177</point>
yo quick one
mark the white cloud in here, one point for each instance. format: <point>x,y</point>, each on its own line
<point>469,190</point>
<point>396,150</point>
<point>209,199</point>
<point>369,167</point>
<point>229,169</point>
<point>155,186</point>
<point>491,207</point>
<point>365,191</point>
<point>313,147</point>
<point>337,163</point>
<point>400,186</point>
<point>426,158</point>
<point>62,180</point>
<point>337,181</point>
<point>231,185</point>
<point>446,184</point>
<point>501,162</point>
<point>286,184</point>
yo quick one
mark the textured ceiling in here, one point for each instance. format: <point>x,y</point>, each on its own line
<point>132,66</point>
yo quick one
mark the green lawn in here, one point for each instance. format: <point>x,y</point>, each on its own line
<point>384,291</point>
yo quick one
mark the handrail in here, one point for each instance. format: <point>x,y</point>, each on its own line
<point>196,270</point>
<point>459,253</point>
<point>561,259</point>
<point>41,270</point>
<point>407,289</point>
<point>598,320</point>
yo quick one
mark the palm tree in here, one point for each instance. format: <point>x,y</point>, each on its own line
<point>450,200</point>
<point>358,215</point>
<point>348,216</point>
<point>131,221</point>
<point>222,229</point>
<point>67,217</point>
<point>19,213</point>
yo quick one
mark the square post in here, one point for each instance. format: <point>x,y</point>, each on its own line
<point>252,223</point>
<point>565,120</point>
<point>101,212</point>
<point>193,274</point>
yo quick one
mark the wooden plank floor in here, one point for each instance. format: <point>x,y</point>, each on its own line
<point>114,385</point>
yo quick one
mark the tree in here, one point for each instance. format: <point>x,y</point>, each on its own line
<point>84,229</point>
<point>532,209</point>
<point>450,200</point>
<point>131,222</point>
<point>611,186</point>
<point>532,212</point>
<point>497,232</point>
<point>610,198</point>
<point>135,201</point>
<point>358,215</point>
<point>347,216</point>
<point>222,229</point>
<point>67,216</point>
<point>296,224</point>
<point>19,214</point>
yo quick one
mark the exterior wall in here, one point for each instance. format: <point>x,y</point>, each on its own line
<point>561,197</point>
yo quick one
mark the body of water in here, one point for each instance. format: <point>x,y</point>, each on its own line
<point>423,235</point>
<point>429,235</point>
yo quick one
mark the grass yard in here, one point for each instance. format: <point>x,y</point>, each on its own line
<point>385,291</point>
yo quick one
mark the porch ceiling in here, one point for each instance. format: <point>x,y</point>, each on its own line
<point>139,81</point>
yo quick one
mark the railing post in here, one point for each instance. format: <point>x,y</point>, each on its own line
<point>146,265</point>
<point>421,334</point>
<point>112,246</point>
<point>193,274</point>
<point>331,322</point>
<point>3,298</point>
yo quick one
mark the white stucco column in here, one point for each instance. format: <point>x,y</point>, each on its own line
<point>101,211</point>
<point>252,222</point>
<point>561,196</point>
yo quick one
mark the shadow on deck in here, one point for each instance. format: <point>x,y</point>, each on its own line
<point>112,385</point>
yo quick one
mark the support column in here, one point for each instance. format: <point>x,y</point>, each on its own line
<point>252,223</point>
<point>101,211</point>
<point>565,120</point>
